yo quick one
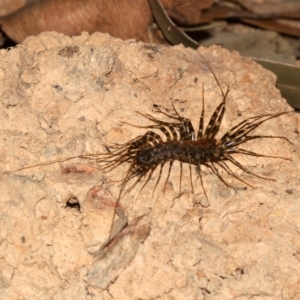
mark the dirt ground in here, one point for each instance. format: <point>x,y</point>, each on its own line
<point>64,97</point>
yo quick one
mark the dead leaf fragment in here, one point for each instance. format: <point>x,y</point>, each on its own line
<point>123,19</point>
<point>74,16</point>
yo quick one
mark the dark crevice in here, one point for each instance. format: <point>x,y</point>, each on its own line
<point>73,203</point>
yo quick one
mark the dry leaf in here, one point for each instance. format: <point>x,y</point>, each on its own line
<point>123,19</point>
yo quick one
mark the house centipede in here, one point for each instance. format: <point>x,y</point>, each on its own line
<point>150,151</point>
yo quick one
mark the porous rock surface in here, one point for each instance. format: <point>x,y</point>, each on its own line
<point>63,96</point>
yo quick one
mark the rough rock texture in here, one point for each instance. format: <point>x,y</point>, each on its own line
<point>66,96</point>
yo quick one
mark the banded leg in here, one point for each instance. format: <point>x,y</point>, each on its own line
<point>191,177</point>
<point>180,178</point>
<point>186,128</point>
<point>235,162</point>
<point>216,119</point>
<point>215,122</point>
<point>250,153</point>
<point>237,141</point>
<point>201,121</point>
<point>198,170</point>
<point>216,172</point>
<point>247,126</point>
<point>159,176</point>
<point>169,171</point>
<point>225,167</point>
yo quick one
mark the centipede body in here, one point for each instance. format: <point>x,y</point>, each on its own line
<point>180,142</point>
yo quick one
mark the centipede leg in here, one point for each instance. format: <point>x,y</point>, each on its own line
<point>191,177</point>
<point>250,153</point>
<point>201,121</point>
<point>225,167</point>
<point>216,172</point>
<point>169,171</point>
<point>198,170</point>
<point>235,162</point>
<point>159,176</point>
<point>180,178</point>
<point>146,181</point>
